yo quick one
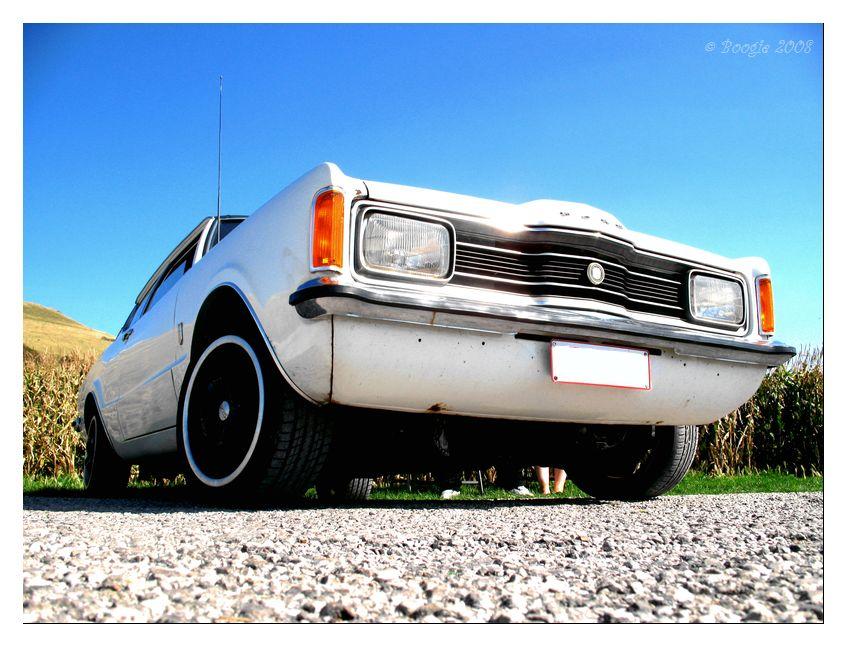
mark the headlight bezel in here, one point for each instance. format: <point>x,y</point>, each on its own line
<point>361,266</point>
<point>718,323</point>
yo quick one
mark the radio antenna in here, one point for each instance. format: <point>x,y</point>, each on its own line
<point>220,123</point>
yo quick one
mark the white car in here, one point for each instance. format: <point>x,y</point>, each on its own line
<point>353,310</point>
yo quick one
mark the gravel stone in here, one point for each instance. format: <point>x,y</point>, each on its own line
<point>707,559</point>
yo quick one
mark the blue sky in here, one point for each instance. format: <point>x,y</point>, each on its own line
<point>719,151</point>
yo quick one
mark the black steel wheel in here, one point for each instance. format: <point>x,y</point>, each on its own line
<point>224,411</point>
<point>104,472</point>
<point>243,430</point>
<point>630,462</point>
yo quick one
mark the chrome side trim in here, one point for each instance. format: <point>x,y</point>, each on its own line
<point>157,375</point>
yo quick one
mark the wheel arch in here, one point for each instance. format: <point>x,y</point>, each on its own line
<point>92,407</point>
<point>224,310</point>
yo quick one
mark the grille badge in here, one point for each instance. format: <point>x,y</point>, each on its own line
<point>596,274</point>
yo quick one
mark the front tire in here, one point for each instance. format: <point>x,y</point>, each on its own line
<point>631,463</point>
<point>243,430</point>
<point>104,472</point>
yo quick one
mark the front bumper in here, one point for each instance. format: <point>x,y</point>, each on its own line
<point>397,350</point>
<point>318,298</point>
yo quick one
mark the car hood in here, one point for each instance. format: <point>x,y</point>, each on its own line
<point>551,213</point>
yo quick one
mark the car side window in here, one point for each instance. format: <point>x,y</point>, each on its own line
<point>138,312</point>
<point>172,276</point>
<point>129,319</point>
<point>135,313</point>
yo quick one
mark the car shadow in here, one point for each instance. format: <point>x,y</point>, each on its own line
<point>180,500</point>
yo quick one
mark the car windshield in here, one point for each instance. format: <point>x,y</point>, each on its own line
<point>227,226</point>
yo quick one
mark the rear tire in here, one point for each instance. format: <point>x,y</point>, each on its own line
<point>243,431</point>
<point>104,472</point>
<point>357,489</point>
<point>631,463</point>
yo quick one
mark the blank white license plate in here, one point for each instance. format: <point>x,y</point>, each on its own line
<point>602,366</point>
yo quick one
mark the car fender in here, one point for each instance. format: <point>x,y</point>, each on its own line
<point>265,259</point>
<point>93,386</point>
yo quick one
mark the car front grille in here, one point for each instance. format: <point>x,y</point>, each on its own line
<point>547,268</point>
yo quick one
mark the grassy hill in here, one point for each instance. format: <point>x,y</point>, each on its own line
<point>46,330</point>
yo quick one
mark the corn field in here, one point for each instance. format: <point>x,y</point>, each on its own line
<point>780,428</point>
<point>51,445</point>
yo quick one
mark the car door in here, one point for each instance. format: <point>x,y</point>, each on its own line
<point>148,402</point>
<point>110,376</point>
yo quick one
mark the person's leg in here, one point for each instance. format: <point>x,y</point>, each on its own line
<point>542,475</point>
<point>559,480</point>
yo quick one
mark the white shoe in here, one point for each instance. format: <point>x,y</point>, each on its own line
<point>521,490</point>
<point>449,494</point>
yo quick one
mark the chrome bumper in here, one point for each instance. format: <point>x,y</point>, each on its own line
<point>319,298</point>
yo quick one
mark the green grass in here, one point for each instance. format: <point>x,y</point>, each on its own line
<point>694,483</point>
<point>36,485</point>
<point>467,492</point>
<point>69,484</point>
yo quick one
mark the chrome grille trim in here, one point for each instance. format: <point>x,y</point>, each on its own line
<point>525,272</point>
<point>465,244</point>
<point>554,283</point>
<point>605,262</point>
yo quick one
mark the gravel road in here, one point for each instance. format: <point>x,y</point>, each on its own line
<point>686,558</point>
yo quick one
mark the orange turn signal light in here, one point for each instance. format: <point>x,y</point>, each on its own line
<point>328,230</point>
<point>766,305</point>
